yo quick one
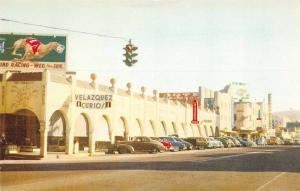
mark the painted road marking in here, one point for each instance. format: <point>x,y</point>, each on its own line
<point>270,181</point>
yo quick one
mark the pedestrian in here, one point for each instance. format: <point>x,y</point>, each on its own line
<point>3,145</point>
<point>263,140</point>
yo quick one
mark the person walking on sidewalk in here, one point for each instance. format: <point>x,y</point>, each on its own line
<point>3,145</point>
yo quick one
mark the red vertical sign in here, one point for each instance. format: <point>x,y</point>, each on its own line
<point>195,112</point>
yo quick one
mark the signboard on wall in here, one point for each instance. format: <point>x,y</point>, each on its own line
<point>195,112</point>
<point>24,52</point>
<point>93,101</point>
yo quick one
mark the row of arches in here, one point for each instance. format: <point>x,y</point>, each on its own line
<point>23,128</point>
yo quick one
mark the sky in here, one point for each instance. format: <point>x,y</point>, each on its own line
<point>182,44</point>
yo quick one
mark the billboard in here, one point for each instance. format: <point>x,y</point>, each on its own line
<point>23,52</point>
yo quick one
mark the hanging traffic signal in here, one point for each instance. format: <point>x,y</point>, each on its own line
<point>130,54</point>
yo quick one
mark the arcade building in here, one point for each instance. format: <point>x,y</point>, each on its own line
<point>47,111</point>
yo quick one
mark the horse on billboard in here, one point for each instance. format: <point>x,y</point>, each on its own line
<point>34,49</point>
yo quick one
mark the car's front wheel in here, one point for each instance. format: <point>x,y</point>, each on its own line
<point>125,149</point>
<point>176,149</point>
<point>154,150</point>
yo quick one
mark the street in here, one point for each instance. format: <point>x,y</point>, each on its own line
<point>258,169</point>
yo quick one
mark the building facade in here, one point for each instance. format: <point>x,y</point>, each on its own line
<point>221,102</point>
<point>251,118</point>
<point>54,112</point>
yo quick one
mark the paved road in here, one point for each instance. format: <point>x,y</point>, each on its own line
<point>257,169</point>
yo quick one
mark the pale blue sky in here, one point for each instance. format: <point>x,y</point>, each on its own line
<point>182,43</point>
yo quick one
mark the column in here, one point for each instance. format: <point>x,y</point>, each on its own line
<point>43,139</point>
<point>69,141</point>
<point>91,143</point>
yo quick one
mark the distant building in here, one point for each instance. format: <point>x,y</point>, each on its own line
<point>293,126</point>
<point>221,101</point>
<point>237,91</point>
<point>252,118</point>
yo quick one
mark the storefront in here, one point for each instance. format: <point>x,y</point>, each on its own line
<point>49,112</point>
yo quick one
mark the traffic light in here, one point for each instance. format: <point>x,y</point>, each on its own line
<point>130,54</point>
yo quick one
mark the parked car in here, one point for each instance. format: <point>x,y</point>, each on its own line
<point>166,144</point>
<point>235,141</point>
<point>212,143</point>
<point>244,142</point>
<point>219,144</point>
<point>249,143</point>
<point>296,141</point>
<point>176,145</point>
<point>261,141</point>
<point>288,141</point>
<point>187,145</point>
<point>140,144</point>
<point>197,142</point>
<point>271,141</point>
<point>226,142</point>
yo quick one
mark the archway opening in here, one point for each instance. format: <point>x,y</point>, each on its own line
<point>212,131</point>
<point>136,128</point>
<point>121,130</point>
<point>102,134</point>
<point>217,131</point>
<point>57,133</point>
<point>81,134</point>
<point>149,129</point>
<point>162,130</point>
<point>174,129</point>
<point>22,129</point>
<point>206,133</point>
<point>182,131</point>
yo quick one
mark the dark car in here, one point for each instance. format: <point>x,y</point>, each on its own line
<point>197,142</point>
<point>187,145</point>
<point>243,142</point>
<point>140,144</point>
<point>177,146</point>
<point>288,141</point>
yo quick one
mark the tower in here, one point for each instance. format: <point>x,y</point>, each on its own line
<point>270,111</point>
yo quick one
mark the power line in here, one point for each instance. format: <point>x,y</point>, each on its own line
<point>64,29</point>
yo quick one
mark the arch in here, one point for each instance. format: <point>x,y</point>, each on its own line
<point>192,130</point>
<point>136,128</point>
<point>81,132</point>
<point>199,129</point>
<point>121,130</point>
<point>181,131</point>
<point>217,131</point>
<point>162,130</point>
<point>195,130</point>
<point>206,133</point>
<point>57,132</point>
<point>26,112</point>
<point>102,130</point>
<point>212,131</point>
<point>189,131</point>
<point>22,128</point>
<point>149,130</point>
<point>108,122</point>
<point>174,128</point>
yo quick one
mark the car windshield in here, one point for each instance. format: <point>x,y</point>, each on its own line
<point>169,139</point>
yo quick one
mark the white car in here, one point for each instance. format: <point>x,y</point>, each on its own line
<point>213,143</point>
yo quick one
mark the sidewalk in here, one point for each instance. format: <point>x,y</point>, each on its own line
<point>53,157</point>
